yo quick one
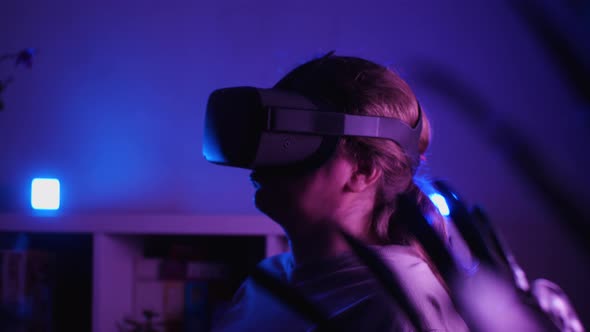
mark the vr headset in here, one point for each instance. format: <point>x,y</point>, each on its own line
<point>256,128</point>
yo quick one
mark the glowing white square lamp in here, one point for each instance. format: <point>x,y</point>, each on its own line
<point>45,194</point>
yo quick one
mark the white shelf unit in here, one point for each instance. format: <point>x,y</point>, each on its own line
<point>117,242</point>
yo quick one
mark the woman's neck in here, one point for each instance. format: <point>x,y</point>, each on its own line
<point>315,247</point>
<point>321,242</point>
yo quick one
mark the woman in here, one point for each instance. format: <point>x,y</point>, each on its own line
<point>354,190</point>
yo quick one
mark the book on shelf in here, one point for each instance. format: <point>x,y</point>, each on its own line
<point>196,306</point>
<point>26,288</point>
<point>164,298</point>
<point>166,269</point>
<point>185,295</point>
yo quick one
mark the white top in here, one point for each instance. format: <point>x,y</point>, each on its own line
<point>344,288</point>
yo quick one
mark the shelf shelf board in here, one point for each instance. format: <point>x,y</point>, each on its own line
<point>141,224</point>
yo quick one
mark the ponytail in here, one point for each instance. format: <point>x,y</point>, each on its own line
<point>400,235</point>
<point>428,209</point>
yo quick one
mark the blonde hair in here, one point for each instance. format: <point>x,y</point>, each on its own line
<point>357,86</point>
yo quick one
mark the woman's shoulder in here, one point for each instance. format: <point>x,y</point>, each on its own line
<point>408,265</point>
<point>423,288</point>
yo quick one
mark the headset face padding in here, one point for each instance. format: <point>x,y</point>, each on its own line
<point>233,125</point>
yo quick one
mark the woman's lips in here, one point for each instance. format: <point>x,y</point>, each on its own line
<point>259,178</point>
<point>266,177</point>
<point>255,179</point>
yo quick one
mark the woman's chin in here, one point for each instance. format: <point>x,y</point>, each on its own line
<point>269,204</point>
<point>262,201</point>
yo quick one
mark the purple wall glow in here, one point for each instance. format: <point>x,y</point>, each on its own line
<point>114,104</point>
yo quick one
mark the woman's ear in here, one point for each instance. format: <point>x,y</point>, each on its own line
<point>363,177</point>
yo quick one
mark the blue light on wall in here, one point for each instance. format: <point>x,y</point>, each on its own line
<point>45,194</point>
<point>440,203</point>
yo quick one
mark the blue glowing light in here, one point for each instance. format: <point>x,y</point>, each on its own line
<point>45,194</point>
<point>440,203</point>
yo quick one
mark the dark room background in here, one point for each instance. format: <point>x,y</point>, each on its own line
<point>114,103</point>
